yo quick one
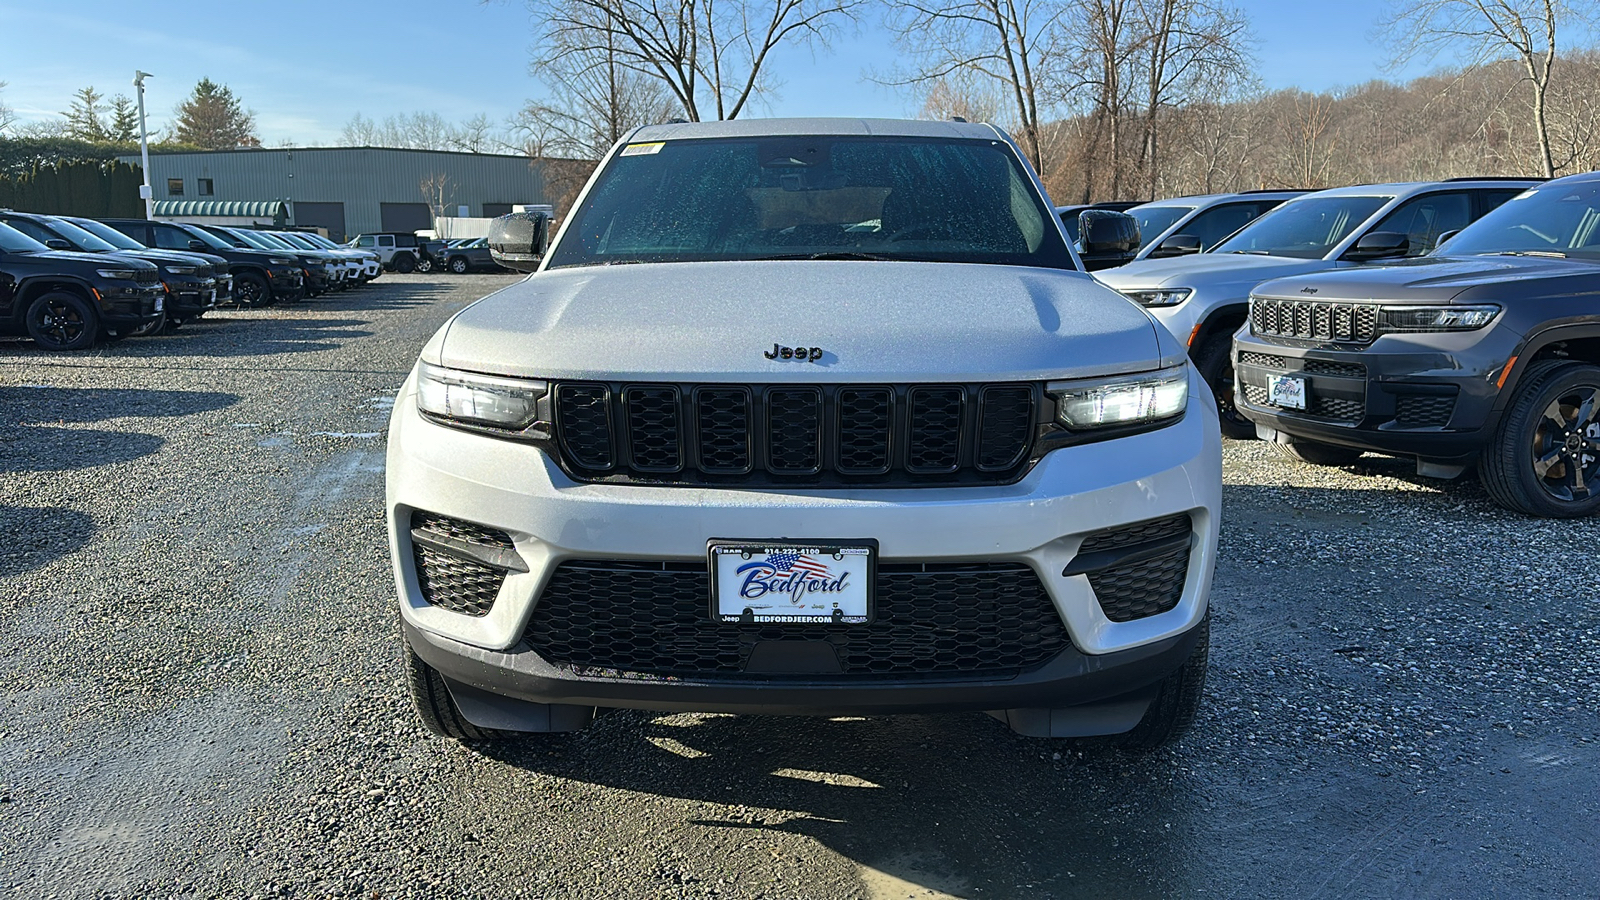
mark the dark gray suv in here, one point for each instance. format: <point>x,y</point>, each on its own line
<point>1485,352</point>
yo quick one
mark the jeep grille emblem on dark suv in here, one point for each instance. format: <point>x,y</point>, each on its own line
<point>798,354</point>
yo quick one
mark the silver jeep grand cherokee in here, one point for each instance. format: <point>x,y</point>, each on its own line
<point>810,417</point>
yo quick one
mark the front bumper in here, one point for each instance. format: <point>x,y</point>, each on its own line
<point>130,305</point>
<point>1040,522</point>
<point>286,282</point>
<point>188,297</point>
<point>1433,396</point>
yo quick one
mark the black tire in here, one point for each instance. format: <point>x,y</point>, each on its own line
<point>405,263</point>
<point>458,265</point>
<point>1319,454</point>
<point>154,326</point>
<point>62,321</point>
<point>176,322</point>
<point>250,289</point>
<point>1214,361</point>
<point>425,265</point>
<point>1537,433</point>
<point>1177,700</point>
<point>435,707</point>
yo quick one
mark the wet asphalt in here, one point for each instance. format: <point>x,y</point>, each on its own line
<point>200,695</point>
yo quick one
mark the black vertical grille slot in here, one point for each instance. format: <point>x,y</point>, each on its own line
<point>724,429</point>
<point>866,426</point>
<point>934,443</point>
<point>654,434</point>
<point>585,413</point>
<point>1314,320</point>
<point>1005,419</point>
<point>794,430</point>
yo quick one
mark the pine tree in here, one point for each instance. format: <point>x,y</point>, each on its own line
<point>213,119</point>
<point>124,120</point>
<point>83,118</point>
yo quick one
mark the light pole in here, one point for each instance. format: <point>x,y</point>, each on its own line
<point>145,192</point>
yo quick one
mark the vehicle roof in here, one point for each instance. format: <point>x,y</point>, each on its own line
<point>1405,188</point>
<point>738,128</point>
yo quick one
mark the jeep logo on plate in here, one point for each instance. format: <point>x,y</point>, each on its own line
<point>798,354</point>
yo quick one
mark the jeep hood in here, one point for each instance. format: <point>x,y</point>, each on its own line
<point>1214,273</point>
<point>1465,279</point>
<point>873,321</point>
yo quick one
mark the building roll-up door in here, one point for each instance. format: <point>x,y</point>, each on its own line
<point>406,217</point>
<point>326,216</point>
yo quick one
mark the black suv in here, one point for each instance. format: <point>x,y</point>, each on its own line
<point>321,270</point>
<point>187,279</point>
<point>259,277</point>
<point>220,269</point>
<point>1486,352</point>
<point>68,301</point>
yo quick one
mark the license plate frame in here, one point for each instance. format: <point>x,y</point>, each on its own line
<point>844,573</point>
<point>1288,391</point>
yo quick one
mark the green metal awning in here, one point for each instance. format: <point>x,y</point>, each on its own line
<point>222,209</point>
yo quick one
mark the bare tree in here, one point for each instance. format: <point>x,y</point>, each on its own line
<point>1015,44</point>
<point>594,99</point>
<point>435,189</point>
<point>7,116</point>
<point>1483,31</point>
<point>710,55</point>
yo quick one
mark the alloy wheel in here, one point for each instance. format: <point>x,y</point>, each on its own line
<point>61,322</point>
<point>1566,445</point>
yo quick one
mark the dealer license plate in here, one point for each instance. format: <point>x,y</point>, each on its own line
<point>800,583</point>
<point>1287,391</point>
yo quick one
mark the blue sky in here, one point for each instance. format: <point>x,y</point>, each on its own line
<point>306,67</point>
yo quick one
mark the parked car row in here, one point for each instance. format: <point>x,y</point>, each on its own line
<point>401,252</point>
<point>69,282</point>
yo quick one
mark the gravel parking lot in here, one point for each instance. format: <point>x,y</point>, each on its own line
<point>200,696</point>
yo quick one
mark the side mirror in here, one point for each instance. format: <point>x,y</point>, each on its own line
<point>519,240</point>
<point>1177,245</point>
<point>58,244</point>
<point>1379,245</point>
<point>1107,239</point>
<point>197,244</point>
<point>1445,237</point>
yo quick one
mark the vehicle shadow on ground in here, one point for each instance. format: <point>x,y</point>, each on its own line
<point>38,535</point>
<point>246,337</point>
<point>955,803</point>
<point>388,296</point>
<point>32,438</point>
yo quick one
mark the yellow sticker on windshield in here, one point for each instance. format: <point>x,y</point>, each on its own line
<point>642,149</point>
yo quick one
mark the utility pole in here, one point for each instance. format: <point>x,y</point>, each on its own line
<point>145,191</point>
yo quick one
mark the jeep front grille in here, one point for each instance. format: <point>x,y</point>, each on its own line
<point>628,618</point>
<point>1308,366</point>
<point>795,434</point>
<point>1322,406</point>
<point>1424,410</point>
<point>1314,320</point>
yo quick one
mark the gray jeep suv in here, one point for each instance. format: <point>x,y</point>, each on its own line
<point>1203,298</point>
<point>1485,352</point>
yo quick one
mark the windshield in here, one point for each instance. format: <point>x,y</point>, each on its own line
<point>106,233</point>
<point>294,240</point>
<point>252,239</point>
<point>1306,229</point>
<point>1155,219</point>
<point>319,241</point>
<point>1556,220</point>
<point>82,238</point>
<point>14,241</point>
<point>798,197</point>
<point>206,237</point>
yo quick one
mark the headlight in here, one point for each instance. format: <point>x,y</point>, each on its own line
<point>510,403</point>
<point>282,260</point>
<point>182,270</point>
<point>117,274</point>
<point>1144,398</point>
<point>1436,318</point>
<point>1171,297</point>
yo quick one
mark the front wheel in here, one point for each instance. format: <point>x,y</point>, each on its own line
<point>60,320</point>
<point>1544,459</point>
<point>1177,700</point>
<point>250,289</point>
<point>458,265</point>
<point>424,265</point>
<point>435,707</point>
<point>1214,361</point>
<point>154,326</point>
<point>404,263</point>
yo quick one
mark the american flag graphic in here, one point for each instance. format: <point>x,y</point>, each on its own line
<point>798,562</point>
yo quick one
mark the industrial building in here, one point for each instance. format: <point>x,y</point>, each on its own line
<point>342,191</point>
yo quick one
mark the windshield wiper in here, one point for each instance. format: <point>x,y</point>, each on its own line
<point>831,254</point>
<point>1549,254</point>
